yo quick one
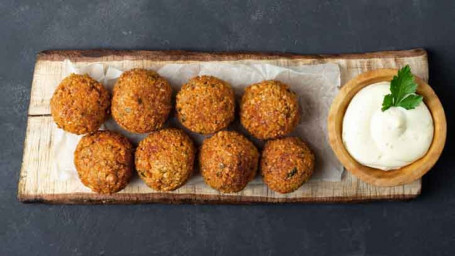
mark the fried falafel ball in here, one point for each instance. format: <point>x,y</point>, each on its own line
<point>228,161</point>
<point>104,161</point>
<point>205,104</point>
<point>80,104</point>
<point>142,101</point>
<point>269,109</point>
<point>286,164</point>
<point>165,159</point>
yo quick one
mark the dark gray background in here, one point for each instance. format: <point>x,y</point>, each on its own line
<point>418,227</point>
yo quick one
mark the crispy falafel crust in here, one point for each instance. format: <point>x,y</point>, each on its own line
<point>205,104</point>
<point>80,104</point>
<point>142,101</point>
<point>269,109</point>
<point>286,164</point>
<point>104,161</point>
<point>228,161</point>
<point>165,159</point>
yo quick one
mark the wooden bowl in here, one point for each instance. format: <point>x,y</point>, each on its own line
<point>374,176</point>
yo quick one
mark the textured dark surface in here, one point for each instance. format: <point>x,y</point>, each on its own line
<point>418,227</point>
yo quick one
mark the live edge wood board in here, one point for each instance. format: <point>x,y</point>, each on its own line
<point>38,182</point>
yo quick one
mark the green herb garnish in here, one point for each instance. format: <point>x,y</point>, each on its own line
<point>141,173</point>
<point>402,88</point>
<point>291,173</point>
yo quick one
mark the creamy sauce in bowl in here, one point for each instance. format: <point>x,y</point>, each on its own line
<point>385,140</point>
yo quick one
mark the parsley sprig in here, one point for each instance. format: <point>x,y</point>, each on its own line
<point>402,88</point>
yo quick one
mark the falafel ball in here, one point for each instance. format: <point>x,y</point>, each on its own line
<point>165,159</point>
<point>205,104</point>
<point>269,109</point>
<point>286,164</point>
<point>80,104</point>
<point>104,161</point>
<point>228,161</point>
<point>142,101</point>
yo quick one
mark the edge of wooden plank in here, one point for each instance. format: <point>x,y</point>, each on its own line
<point>22,179</point>
<point>174,55</point>
<point>164,198</point>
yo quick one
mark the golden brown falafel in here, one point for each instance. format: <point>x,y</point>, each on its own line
<point>205,104</point>
<point>269,109</point>
<point>286,164</point>
<point>104,161</point>
<point>142,101</point>
<point>165,159</point>
<point>80,104</point>
<point>228,161</point>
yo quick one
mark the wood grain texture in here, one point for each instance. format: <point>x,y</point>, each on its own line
<point>39,180</point>
<point>374,176</point>
<point>94,55</point>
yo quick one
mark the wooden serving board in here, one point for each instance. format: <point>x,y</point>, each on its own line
<point>38,182</point>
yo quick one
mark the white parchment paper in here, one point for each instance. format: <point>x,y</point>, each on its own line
<point>316,86</point>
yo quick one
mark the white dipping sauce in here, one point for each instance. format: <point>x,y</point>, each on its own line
<point>385,140</point>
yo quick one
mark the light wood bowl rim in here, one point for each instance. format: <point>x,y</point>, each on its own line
<point>376,177</point>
